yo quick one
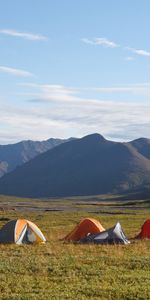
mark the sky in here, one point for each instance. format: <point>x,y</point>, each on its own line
<point>71,68</point>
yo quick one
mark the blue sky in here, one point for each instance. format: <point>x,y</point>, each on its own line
<point>71,68</point>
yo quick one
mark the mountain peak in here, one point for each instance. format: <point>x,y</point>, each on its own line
<point>95,137</point>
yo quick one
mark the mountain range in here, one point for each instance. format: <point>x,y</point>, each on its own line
<point>90,165</point>
<point>13,155</point>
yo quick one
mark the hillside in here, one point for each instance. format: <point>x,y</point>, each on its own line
<point>87,166</point>
<point>3,168</point>
<point>143,146</point>
<point>14,155</point>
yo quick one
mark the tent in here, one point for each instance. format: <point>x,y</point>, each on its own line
<point>113,235</point>
<point>85,227</point>
<point>145,230</point>
<point>21,231</point>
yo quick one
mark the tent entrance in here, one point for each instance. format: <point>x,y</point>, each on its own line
<point>29,236</point>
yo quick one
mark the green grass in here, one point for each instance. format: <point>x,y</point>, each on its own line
<point>58,270</point>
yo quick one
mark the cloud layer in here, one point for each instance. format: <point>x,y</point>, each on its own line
<point>58,111</point>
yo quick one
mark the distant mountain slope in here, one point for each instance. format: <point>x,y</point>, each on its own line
<point>88,166</point>
<point>143,146</point>
<point>13,155</point>
<point>3,168</point>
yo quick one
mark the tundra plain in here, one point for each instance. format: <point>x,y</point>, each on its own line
<point>60,270</point>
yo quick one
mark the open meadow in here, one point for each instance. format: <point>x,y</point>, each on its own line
<point>60,270</point>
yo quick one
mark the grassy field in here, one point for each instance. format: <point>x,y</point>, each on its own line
<point>58,270</point>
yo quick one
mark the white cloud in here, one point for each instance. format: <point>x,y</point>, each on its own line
<point>140,52</point>
<point>100,41</point>
<point>15,72</point>
<point>24,35</point>
<point>105,42</point>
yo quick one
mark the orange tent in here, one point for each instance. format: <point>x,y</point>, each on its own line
<point>21,231</point>
<point>145,230</point>
<point>86,226</point>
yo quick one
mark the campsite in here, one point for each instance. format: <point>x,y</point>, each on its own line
<point>45,271</point>
<point>74,150</point>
